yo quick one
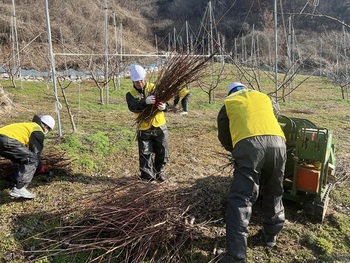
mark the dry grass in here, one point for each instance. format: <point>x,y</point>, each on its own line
<point>156,217</point>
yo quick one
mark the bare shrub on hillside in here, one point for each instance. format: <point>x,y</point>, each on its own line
<point>76,27</point>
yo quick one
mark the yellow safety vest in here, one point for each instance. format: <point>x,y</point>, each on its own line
<point>21,131</point>
<point>159,118</point>
<point>250,113</point>
<point>183,92</point>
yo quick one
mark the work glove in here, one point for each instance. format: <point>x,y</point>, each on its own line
<point>161,106</point>
<point>42,170</point>
<point>150,99</point>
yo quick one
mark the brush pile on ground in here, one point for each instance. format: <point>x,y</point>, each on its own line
<point>132,223</point>
<point>55,162</point>
<point>6,104</point>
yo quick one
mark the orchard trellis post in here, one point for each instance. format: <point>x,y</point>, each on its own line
<point>276,48</point>
<point>53,70</point>
<point>17,59</point>
<point>106,52</point>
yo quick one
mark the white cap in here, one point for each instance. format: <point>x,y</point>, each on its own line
<point>137,73</point>
<point>48,121</point>
<point>234,85</point>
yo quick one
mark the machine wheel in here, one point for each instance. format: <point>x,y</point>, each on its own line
<point>317,209</point>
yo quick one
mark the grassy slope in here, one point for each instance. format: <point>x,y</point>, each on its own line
<point>104,149</point>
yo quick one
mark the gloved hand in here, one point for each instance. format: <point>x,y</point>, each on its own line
<point>150,99</point>
<point>42,170</point>
<point>161,106</point>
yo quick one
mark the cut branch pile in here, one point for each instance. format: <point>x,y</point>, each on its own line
<point>6,104</point>
<point>56,160</point>
<point>136,223</point>
<point>177,71</point>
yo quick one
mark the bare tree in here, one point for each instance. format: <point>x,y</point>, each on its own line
<point>252,77</point>
<point>12,69</point>
<point>340,78</point>
<point>209,85</point>
<point>71,117</point>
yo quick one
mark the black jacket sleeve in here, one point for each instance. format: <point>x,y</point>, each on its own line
<point>135,105</point>
<point>224,134</point>
<point>36,144</point>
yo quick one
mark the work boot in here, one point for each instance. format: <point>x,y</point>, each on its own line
<point>226,258</point>
<point>146,177</point>
<point>161,177</point>
<point>22,192</point>
<point>270,241</point>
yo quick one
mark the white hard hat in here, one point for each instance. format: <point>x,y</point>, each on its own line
<point>137,73</point>
<point>235,86</point>
<point>48,121</point>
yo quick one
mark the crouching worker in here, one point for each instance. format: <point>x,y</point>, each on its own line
<point>22,143</point>
<point>248,128</point>
<point>184,95</point>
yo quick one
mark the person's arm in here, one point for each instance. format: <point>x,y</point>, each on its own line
<point>36,145</point>
<point>135,105</point>
<point>224,134</point>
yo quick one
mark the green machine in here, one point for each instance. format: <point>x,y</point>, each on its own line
<point>310,165</point>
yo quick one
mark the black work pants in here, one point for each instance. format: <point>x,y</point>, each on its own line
<point>24,161</point>
<point>153,150</point>
<point>184,101</point>
<point>259,165</point>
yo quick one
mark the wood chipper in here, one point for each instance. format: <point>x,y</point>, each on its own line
<point>310,165</point>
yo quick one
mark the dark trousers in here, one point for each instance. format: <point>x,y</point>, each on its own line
<point>259,165</point>
<point>24,161</point>
<point>184,102</point>
<point>153,150</point>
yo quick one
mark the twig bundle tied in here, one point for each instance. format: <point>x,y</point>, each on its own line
<point>177,71</point>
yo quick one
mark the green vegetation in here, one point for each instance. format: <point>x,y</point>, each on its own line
<point>102,154</point>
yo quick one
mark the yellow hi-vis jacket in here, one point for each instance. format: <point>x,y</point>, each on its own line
<point>250,113</point>
<point>21,131</point>
<point>183,92</point>
<point>159,118</point>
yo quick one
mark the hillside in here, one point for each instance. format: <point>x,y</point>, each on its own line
<point>154,26</point>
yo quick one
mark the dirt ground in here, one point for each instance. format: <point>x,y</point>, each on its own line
<point>199,170</point>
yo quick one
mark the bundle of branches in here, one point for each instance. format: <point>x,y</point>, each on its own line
<point>177,71</point>
<point>134,224</point>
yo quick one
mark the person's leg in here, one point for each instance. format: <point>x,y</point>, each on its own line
<point>25,161</point>
<point>146,152</point>
<point>161,149</point>
<point>176,101</point>
<point>185,102</point>
<point>272,186</point>
<point>243,194</point>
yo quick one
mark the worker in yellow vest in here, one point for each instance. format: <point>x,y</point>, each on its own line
<point>22,143</point>
<point>248,128</point>
<point>152,136</point>
<point>184,95</point>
